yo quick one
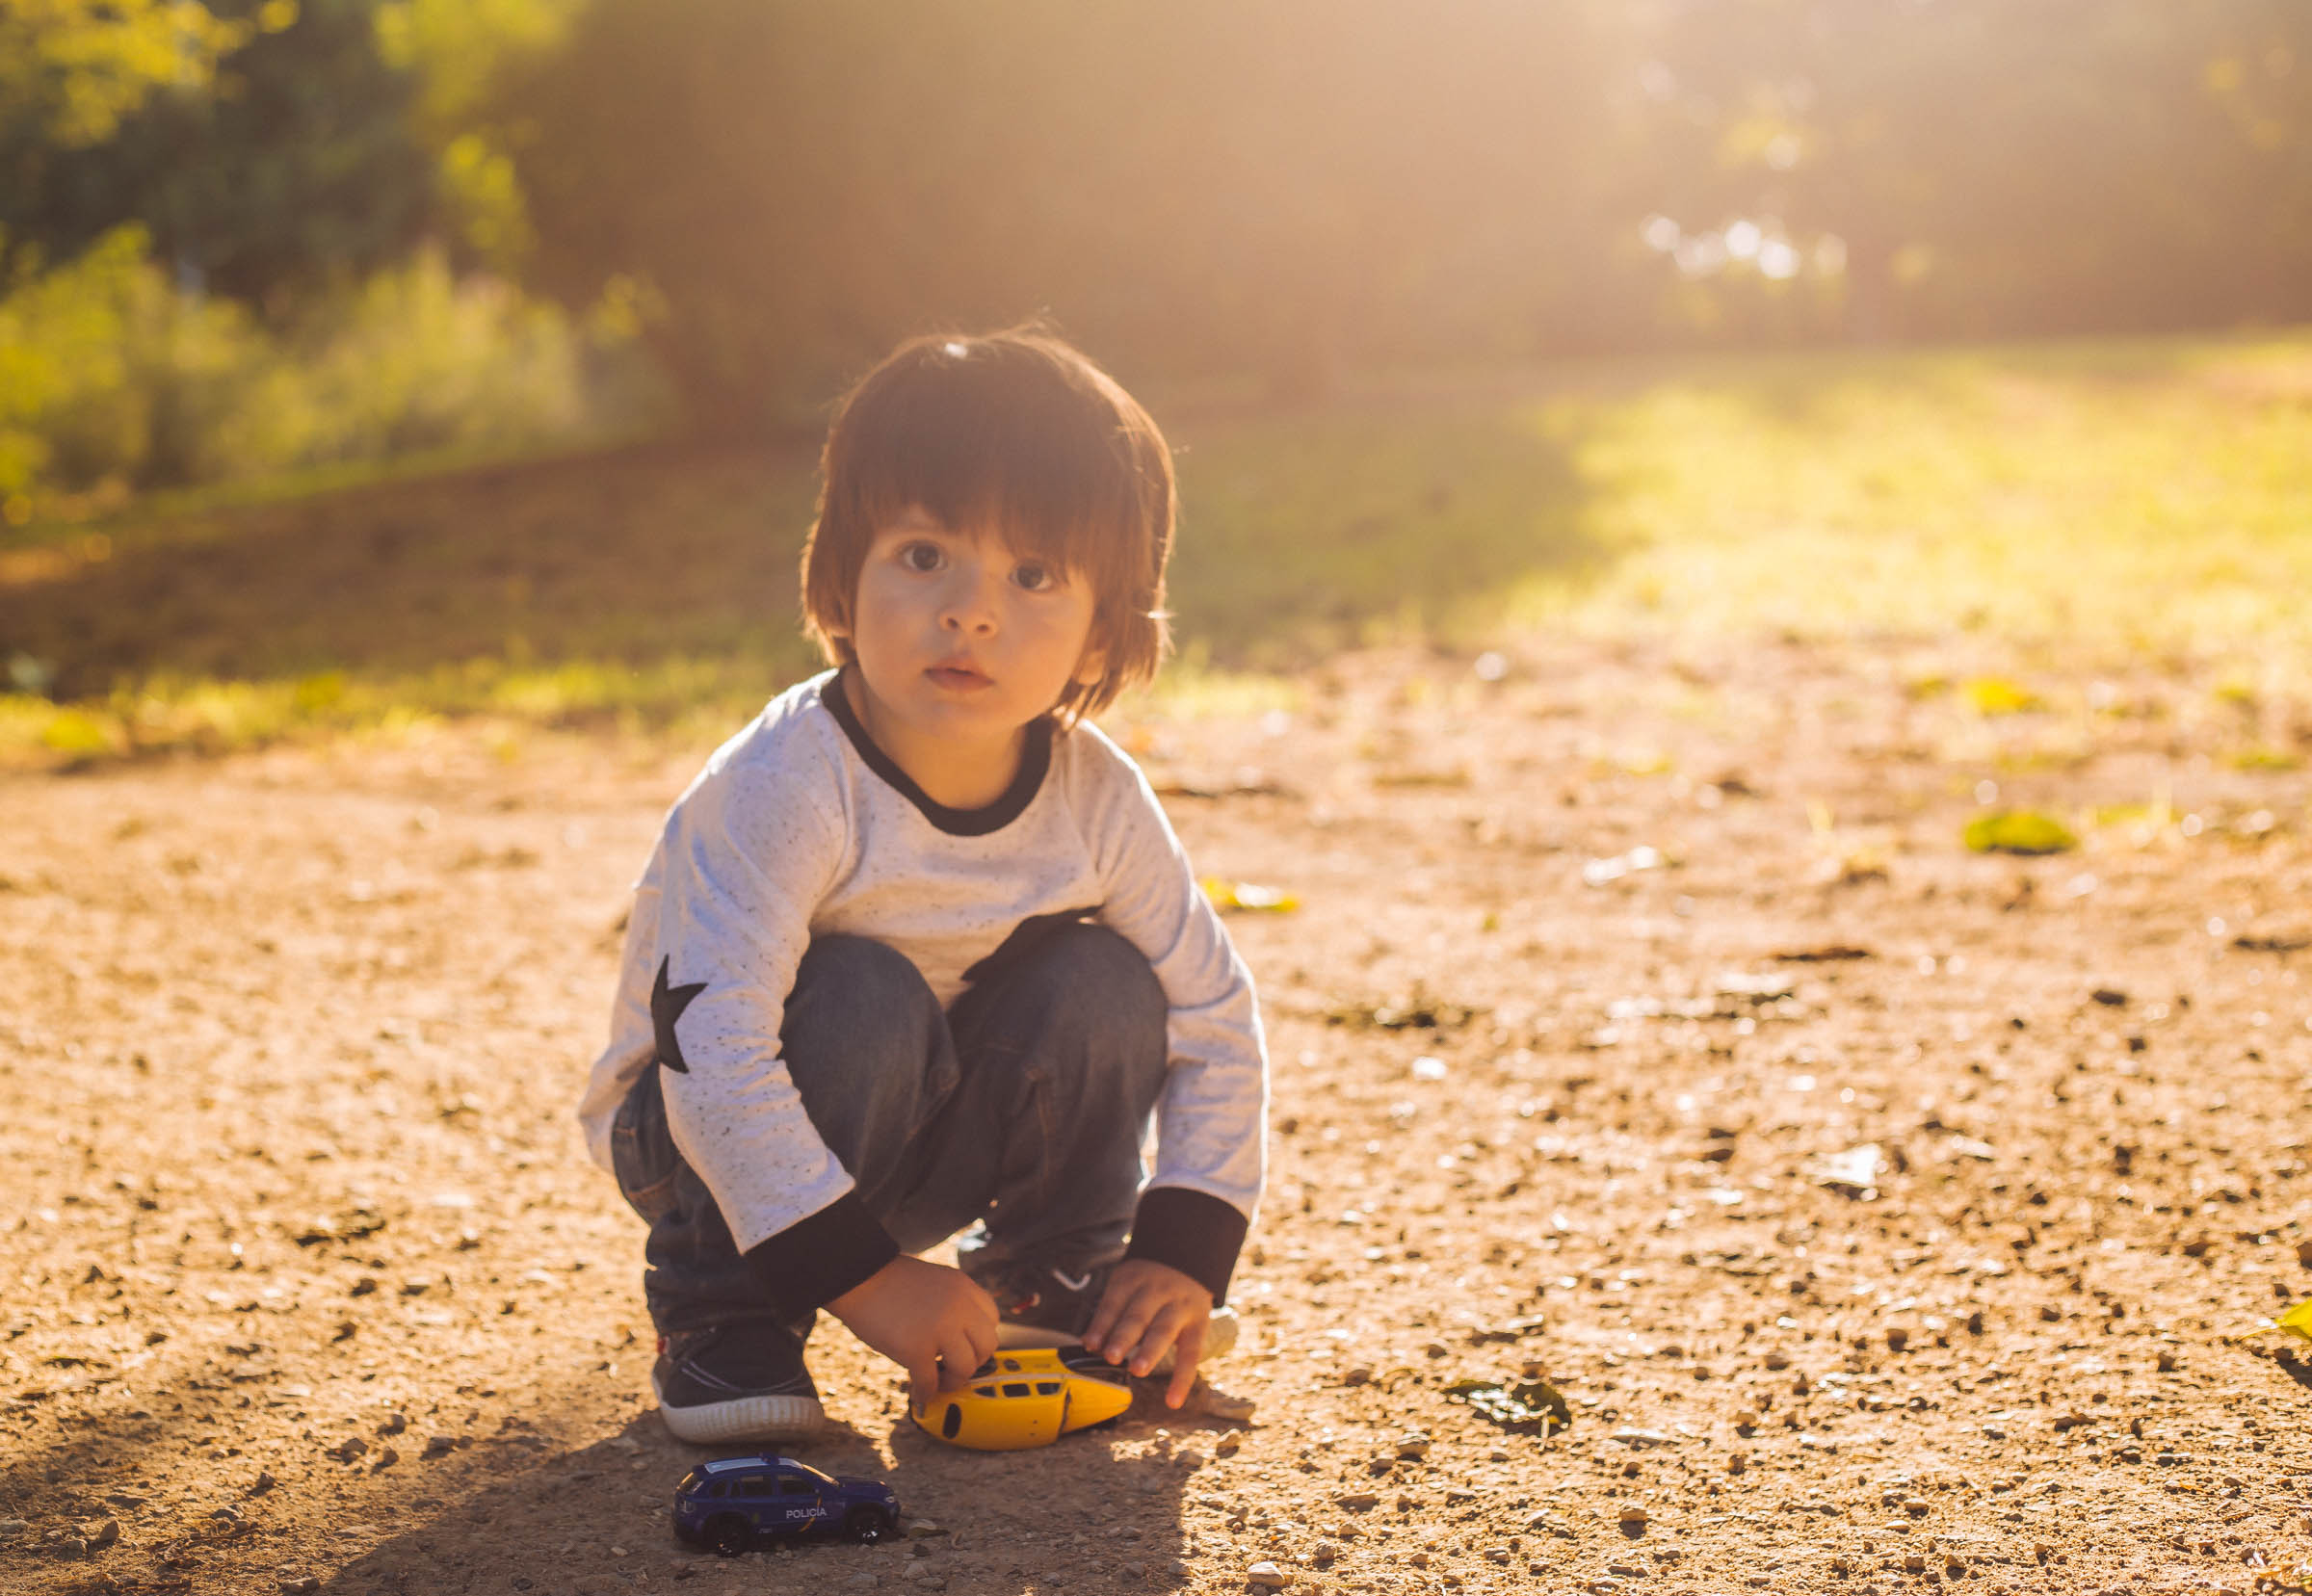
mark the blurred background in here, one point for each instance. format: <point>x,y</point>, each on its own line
<point>1474,299</point>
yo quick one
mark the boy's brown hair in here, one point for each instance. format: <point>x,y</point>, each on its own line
<point>1017,433</point>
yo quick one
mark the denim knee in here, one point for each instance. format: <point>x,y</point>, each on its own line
<point>1088,978</point>
<point>855,997</point>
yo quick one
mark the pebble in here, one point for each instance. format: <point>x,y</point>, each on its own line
<point>1357,1502</point>
<point>1266,1576</point>
<point>298,1587</point>
<point>12,1527</point>
<point>1634,1514</point>
<point>1412,1446</point>
<point>107,1533</point>
<point>919,1528</point>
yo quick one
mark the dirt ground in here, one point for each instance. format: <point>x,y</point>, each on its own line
<point>305,1283</point>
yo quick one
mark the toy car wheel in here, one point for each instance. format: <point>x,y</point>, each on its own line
<point>730,1536</point>
<point>867,1525</point>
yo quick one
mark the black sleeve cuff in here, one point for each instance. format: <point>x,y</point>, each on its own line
<point>815,1260</point>
<point>1194,1233</point>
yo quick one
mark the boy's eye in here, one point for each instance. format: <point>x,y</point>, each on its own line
<point>921,556</point>
<point>1035,578</point>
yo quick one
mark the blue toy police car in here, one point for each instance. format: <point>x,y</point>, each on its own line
<point>729,1503</point>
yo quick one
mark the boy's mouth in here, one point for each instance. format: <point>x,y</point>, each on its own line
<point>958,675</point>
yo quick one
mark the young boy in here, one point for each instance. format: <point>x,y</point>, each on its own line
<point>918,948</point>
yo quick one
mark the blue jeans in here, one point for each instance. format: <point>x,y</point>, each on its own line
<point>1021,1108</point>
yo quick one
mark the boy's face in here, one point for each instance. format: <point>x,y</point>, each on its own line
<point>960,640</point>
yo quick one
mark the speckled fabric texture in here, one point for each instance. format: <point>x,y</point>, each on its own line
<point>791,834</point>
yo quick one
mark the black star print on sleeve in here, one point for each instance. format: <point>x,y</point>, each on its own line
<point>666,1003</point>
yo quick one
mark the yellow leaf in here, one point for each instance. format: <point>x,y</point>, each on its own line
<point>1237,897</point>
<point>2296,1320</point>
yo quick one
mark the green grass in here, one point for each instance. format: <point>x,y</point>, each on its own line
<point>2111,496</point>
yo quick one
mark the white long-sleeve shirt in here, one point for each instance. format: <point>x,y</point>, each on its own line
<point>800,827</point>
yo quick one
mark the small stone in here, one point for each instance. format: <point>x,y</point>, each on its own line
<point>387,1457</point>
<point>1266,1576</point>
<point>262,1483</point>
<point>1897,1339</point>
<point>394,1424</point>
<point>12,1527</point>
<point>1134,1570</point>
<point>298,1587</point>
<point>1915,1563</point>
<point>920,1528</point>
<point>71,1546</point>
<point>1228,1446</point>
<point>1412,1446</point>
<point>1633,1514</point>
<point>1362,1374</point>
<point>441,1446</point>
<point>349,1448</point>
<point>1178,1568</point>
<point>1357,1502</point>
<point>1738,1462</point>
<point>108,1534</point>
<point>2303,1253</point>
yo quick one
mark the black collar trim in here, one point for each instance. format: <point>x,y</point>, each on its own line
<point>1034,760</point>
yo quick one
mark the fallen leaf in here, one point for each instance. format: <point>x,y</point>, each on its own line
<point>1530,1406</point>
<point>1997,695</point>
<point>2018,831</point>
<point>1247,896</point>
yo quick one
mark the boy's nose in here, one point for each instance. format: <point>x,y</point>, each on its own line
<point>970,606</point>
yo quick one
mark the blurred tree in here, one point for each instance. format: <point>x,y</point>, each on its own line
<point>294,163</point>
<point>1993,169</point>
<point>1204,186</point>
<point>70,69</point>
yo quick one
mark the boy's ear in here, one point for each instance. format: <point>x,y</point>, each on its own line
<point>1091,666</point>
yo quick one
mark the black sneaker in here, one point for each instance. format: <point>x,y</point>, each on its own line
<point>1047,1305</point>
<point>735,1383</point>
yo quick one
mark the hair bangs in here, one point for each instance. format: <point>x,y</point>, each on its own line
<point>988,454</point>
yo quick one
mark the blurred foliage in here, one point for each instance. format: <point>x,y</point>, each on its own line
<point>1268,199</point>
<point>293,168</point>
<point>71,70</point>
<point>1198,186</point>
<point>1979,168</point>
<point>1289,188</point>
<point>112,379</point>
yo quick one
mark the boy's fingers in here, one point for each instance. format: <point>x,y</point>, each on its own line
<point>1162,1331</point>
<point>1104,1318</point>
<point>923,1382</point>
<point>957,1361</point>
<point>1187,1350</point>
<point>1131,1325</point>
<point>984,1343</point>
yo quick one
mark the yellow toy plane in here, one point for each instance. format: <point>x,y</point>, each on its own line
<point>1028,1398</point>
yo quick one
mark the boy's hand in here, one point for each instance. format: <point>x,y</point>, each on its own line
<point>933,1321</point>
<point>1148,1307</point>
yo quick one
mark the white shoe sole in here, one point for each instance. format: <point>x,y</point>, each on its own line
<point>1219,1337</point>
<point>742,1418</point>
